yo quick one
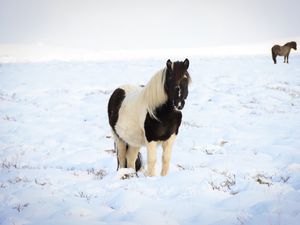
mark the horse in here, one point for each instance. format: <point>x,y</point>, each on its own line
<point>148,116</point>
<point>283,51</point>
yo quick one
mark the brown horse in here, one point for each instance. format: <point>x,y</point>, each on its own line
<point>283,51</point>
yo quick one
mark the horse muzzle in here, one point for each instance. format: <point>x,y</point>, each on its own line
<point>179,105</point>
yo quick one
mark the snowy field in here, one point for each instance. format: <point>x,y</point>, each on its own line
<point>236,160</point>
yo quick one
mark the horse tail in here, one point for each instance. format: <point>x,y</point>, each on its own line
<point>138,162</point>
<point>274,54</point>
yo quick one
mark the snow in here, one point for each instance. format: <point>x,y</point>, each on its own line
<point>236,159</point>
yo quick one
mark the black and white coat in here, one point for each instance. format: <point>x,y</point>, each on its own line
<point>148,116</point>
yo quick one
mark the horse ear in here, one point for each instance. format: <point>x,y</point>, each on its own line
<point>169,64</point>
<point>186,63</point>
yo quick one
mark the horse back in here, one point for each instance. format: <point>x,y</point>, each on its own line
<point>126,114</point>
<point>281,50</point>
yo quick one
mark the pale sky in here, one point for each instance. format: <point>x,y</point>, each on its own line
<point>155,24</point>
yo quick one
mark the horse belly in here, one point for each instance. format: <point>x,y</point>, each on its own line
<point>130,132</point>
<point>282,51</point>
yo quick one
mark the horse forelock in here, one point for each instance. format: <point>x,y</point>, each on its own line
<point>180,71</point>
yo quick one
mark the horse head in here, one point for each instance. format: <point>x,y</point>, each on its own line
<point>176,82</point>
<point>293,45</point>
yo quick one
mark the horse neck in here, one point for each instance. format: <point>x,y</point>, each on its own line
<point>288,45</point>
<point>154,94</point>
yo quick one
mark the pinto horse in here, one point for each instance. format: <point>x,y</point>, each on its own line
<point>283,51</point>
<point>148,116</point>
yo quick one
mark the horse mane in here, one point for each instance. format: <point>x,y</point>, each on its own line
<point>291,44</point>
<point>154,92</point>
<point>188,77</point>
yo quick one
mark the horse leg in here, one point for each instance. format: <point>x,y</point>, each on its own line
<point>121,152</point>
<point>151,158</point>
<point>131,156</point>
<point>167,149</point>
<point>284,59</point>
<point>287,58</point>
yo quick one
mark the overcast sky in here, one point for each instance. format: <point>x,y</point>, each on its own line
<point>137,24</point>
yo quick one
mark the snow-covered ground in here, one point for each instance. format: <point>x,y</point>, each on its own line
<point>236,159</point>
